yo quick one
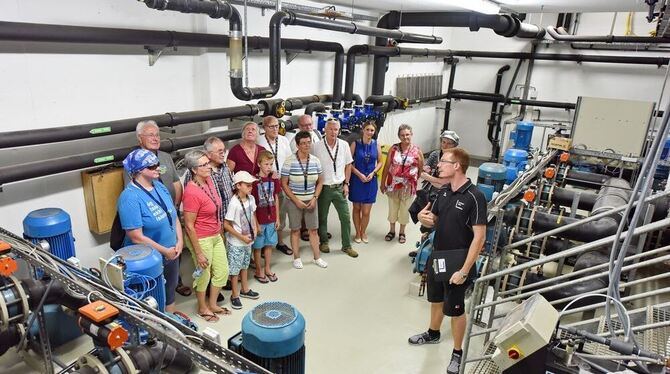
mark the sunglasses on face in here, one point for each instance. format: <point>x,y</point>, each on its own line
<point>154,167</point>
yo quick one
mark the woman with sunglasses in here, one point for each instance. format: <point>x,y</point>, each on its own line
<point>149,217</point>
<point>202,205</point>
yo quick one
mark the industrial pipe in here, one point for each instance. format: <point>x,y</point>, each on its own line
<point>491,98</point>
<point>14,173</point>
<point>491,123</point>
<point>658,61</point>
<point>585,179</point>
<point>561,35</point>
<point>389,101</point>
<point>504,25</point>
<point>565,197</point>
<point>315,107</point>
<point>147,358</point>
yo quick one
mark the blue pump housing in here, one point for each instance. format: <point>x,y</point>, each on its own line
<point>321,119</point>
<point>515,160</point>
<point>144,260</point>
<point>54,226</point>
<point>491,178</point>
<point>273,329</point>
<point>522,135</point>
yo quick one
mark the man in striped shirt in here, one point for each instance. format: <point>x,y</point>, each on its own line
<point>302,182</point>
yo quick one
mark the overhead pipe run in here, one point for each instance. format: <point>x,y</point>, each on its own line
<point>505,25</point>
<point>561,35</point>
<point>15,173</point>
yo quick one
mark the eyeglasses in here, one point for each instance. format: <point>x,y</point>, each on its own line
<point>272,126</point>
<point>156,136</point>
<point>448,162</point>
<point>203,165</point>
<point>154,167</point>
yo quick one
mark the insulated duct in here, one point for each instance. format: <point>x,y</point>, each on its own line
<point>561,35</point>
<point>14,173</point>
<point>505,25</point>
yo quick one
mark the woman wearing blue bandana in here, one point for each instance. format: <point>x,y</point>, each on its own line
<point>149,217</point>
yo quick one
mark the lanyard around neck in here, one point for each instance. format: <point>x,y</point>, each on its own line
<point>247,217</point>
<point>305,170</point>
<point>158,201</point>
<point>274,151</point>
<point>333,158</point>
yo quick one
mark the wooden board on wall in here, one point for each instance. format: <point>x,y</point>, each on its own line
<point>102,188</point>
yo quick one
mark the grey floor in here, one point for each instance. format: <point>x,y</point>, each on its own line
<point>359,311</point>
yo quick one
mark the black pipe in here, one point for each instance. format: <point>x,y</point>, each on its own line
<point>14,173</point>
<point>35,290</point>
<point>491,123</point>
<point>9,338</point>
<point>146,359</point>
<point>658,61</point>
<point>504,25</point>
<point>59,134</point>
<point>587,232</point>
<point>447,105</point>
<point>585,179</point>
<point>495,152</point>
<point>390,102</point>
<point>565,197</point>
<point>315,107</point>
<point>613,193</point>
<point>561,35</point>
<point>487,97</point>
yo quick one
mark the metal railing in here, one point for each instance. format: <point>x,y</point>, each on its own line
<point>522,292</point>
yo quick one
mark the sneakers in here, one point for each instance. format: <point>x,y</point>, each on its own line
<point>297,263</point>
<point>321,263</point>
<point>350,252</point>
<point>454,364</point>
<point>235,303</point>
<point>423,338</point>
<point>250,294</point>
<point>324,248</point>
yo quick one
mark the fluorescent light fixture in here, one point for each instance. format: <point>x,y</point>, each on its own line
<point>480,6</point>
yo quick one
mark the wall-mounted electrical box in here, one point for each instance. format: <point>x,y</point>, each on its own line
<point>102,188</point>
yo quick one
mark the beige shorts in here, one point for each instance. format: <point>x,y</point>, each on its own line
<point>296,215</point>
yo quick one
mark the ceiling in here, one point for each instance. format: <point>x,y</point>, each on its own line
<point>521,6</point>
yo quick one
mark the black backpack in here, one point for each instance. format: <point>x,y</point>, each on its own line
<point>117,235</point>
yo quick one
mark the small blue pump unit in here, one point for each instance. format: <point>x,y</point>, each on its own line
<point>515,160</point>
<point>273,336</point>
<point>522,135</point>
<point>146,262</point>
<point>54,226</point>
<point>491,178</point>
<point>321,119</point>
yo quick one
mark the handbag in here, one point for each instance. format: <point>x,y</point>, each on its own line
<point>117,234</point>
<point>445,263</point>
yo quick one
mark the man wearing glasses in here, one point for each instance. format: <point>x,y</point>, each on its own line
<point>280,148</point>
<point>459,217</point>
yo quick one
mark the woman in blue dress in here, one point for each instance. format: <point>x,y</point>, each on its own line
<point>363,185</point>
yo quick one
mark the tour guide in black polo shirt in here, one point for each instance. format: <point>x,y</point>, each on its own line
<point>459,217</point>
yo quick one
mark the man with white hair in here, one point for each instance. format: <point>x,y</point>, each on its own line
<point>149,138</point>
<point>305,124</point>
<point>281,150</point>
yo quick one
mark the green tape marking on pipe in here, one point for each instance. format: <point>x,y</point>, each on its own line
<point>515,101</point>
<point>100,160</point>
<point>100,130</point>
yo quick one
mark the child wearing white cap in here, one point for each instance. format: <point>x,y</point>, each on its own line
<point>241,229</point>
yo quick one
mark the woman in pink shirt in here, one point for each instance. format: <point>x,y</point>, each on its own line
<point>244,156</point>
<point>203,227</point>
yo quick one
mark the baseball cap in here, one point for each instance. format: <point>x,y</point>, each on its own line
<point>451,135</point>
<point>243,176</point>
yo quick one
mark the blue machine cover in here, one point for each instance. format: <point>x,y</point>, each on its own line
<point>493,171</point>
<point>47,222</point>
<point>142,259</point>
<point>273,329</point>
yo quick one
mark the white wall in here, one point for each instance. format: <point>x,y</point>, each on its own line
<point>555,81</point>
<point>48,85</point>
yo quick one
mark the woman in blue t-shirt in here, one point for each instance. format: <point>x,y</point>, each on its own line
<point>149,217</point>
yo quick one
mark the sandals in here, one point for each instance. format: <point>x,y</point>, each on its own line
<point>272,277</point>
<point>183,290</point>
<point>224,311</point>
<point>402,238</point>
<point>283,248</point>
<point>389,236</point>
<point>262,279</point>
<point>209,317</point>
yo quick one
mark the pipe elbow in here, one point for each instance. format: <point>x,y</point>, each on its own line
<point>234,19</point>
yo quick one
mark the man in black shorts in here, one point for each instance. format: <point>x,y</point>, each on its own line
<point>459,218</point>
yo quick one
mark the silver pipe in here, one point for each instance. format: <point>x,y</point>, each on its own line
<point>480,358</point>
<point>623,299</point>
<point>580,222</point>
<point>573,251</point>
<point>578,272</point>
<point>482,332</point>
<point>575,281</point>
<point>304,9</point>
<point>640,328</point>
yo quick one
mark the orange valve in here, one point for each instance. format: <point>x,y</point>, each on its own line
<point>4,246</point>
<point>7,266</point>
<point>549,173</point>
<point>116,336</point>
<point>564,157</point>
<point>529,195</point>
<point>98,311</point>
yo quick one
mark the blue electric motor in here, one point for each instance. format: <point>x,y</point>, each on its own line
<point>145,261</point>
<point>515,160</point>
<point>491,178</point>
<point>347,119</point>
<point>273,336</point>
<point>52,225</point>
<point>321,118</point>
<point>522,135</point>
